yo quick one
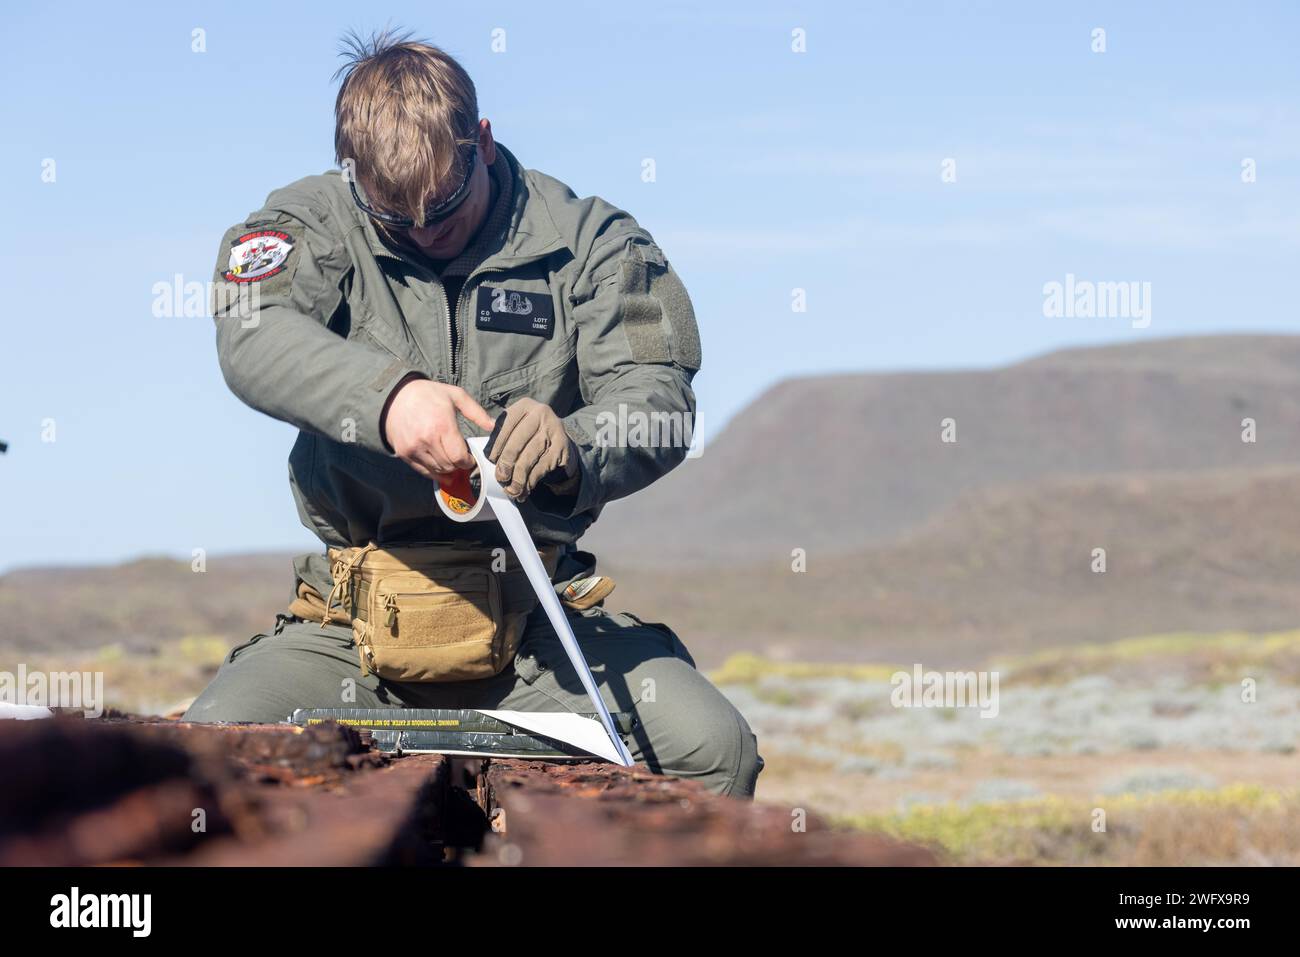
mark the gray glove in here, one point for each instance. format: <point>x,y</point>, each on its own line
<point>531,448</point>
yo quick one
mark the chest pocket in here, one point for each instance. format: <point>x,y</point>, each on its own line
<point>521,340</point>
<point>552,379</point>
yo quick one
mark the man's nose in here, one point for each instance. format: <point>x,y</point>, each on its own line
<point>425,235</point>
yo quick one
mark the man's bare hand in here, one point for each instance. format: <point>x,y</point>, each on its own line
<point>420,426</point>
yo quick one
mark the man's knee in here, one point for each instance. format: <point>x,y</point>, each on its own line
<point>299,665</point>
<point>229,701</point>
<point>749,765</point>
<point>242,692</point>
<point>695,732</point>
<point>733,749</point>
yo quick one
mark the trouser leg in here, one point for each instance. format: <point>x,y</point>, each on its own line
<point>299,665</point>
<point>686,726</point>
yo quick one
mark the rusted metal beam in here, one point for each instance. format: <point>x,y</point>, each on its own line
<point>600,814</point>
<point>161,792</point>
<point>390,816</point>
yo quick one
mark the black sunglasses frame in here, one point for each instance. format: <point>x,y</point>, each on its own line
<point>434,215</point>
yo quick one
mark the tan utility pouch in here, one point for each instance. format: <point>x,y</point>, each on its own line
<point>435,613</point>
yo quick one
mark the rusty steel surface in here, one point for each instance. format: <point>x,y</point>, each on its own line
<point>599,814</point>
<point>153,791</point>
<point>117,792</point>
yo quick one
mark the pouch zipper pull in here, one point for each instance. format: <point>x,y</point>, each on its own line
<point>390,602</point>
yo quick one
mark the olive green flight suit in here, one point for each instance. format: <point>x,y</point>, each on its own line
<point>565,300</point>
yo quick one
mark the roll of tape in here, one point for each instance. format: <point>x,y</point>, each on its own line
<point>461,498</point>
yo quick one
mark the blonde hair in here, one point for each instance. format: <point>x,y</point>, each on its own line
<point>405,113</point>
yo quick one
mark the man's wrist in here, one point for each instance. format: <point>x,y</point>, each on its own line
<point>388,404</point>
<point>566,479</point>
<point>559,496</point>
<point>567,485</point>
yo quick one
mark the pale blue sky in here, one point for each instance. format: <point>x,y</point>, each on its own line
<point>776,170</point>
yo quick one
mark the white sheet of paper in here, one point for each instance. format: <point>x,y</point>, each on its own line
<point>23,712</point>
<point>507,513</point>
<point>564,726</point>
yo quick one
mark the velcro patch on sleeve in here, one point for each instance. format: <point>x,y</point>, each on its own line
<point>668,290</point>
<point>642,311</point>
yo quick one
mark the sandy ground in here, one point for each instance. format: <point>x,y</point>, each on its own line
<point>791,781</point>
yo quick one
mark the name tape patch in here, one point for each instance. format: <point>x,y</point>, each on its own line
<point>509,310</point>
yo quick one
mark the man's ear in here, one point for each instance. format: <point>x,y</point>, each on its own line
<point>486,143</point>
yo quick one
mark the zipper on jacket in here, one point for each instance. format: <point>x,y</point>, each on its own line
<point>451,332</point>
<point>458,343</point>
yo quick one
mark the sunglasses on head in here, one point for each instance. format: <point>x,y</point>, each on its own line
<point>438,213</point>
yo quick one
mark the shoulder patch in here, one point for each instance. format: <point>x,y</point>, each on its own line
<point>258,255</point>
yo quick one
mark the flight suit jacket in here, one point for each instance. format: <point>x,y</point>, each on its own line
<point>318,319</point>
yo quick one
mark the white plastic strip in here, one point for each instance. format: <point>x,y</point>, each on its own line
<point>23,712</point>
<point>494,503</point>
<point>564,726</point>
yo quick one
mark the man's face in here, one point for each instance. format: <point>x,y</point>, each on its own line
<point>449,238</point>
